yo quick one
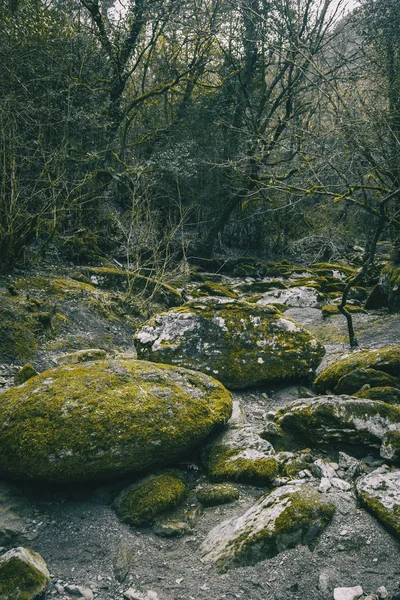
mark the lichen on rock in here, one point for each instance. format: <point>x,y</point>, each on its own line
<point>288,516</point>
<point>238,343</point>
<point>93,420</point>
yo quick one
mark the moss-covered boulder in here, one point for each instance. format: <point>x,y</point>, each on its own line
<point>353,382</point>
<point>288,516</point>
<point>379,492</point>
<point>143,502</point>
<point>26,372</point>
<point>390,448</point>
<point>93,420</point>
<point>238,343</point>
<point>339,419</point>
<point>214,495</point>
<point>388,394</point>
<point>385,359</point>
<point>23,574</point>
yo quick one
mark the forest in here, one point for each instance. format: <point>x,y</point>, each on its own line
<point>159,133</point>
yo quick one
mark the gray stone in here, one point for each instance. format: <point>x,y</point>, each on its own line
<point>348,593</point>
<point>320,469</point>
<point>290,515</point>
<point>80,591</point>
<point>379,492</point>
<point>340,484</point>
<point>301,296</point>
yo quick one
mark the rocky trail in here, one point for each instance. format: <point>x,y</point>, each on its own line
<point>294,496</point>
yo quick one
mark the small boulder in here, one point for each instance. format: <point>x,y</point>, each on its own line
<point>348,593</point>
<point>288,516</point>
<point>213,495</point>
<point>386,359</point>
<point>95,420</point>
<point>239,343</point>
<point>379,492</point>
<point>26,372</point>
<point>152,497</point>
<point>390,448</point>
<point>334,419</point>
<point>353,382</point>
<point>23,574</point>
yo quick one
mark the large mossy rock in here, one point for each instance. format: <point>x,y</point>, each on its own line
<point>353,382</point>
<point>92,420</point>
<point>290,515</point>
<point>339,419</point>
<point>385,359</point>
<point>23,574</point>
<point>143,502</point>
<point>237,342</point>
<point>379,492</point>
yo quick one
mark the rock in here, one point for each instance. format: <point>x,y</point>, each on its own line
<point>237,342</point>
<point>382,592</point>
<point>288,516</point>
<point>144,501</point>
<point>379,492</point>
<point>171,529</point>
<point>340,484</point>
<point>390,281</point>
<point>350,464</point>
<point>390,448</point>
<point>214,495</point>
<point>377,298</point>
<point>15,510</point>
<point>386,359</point>
<point>296,296</point>
<point>25,373</point>
<point>240,455</point>
<point>388,394</point>
<point>334,419</point>
<point>23,574</point>
<point>355,380</point>
<point>109,418</point>
<point>81,356</point>
<point>320,469</point>
<point>348,593</point>
<point>80,591</point>
<point>132,594</point>
<point>325,485</point>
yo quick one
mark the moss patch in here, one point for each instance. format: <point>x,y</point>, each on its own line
<point>333,309</point>
<point>386,359</point>
<point>388,394</point>
<point>27,372</point>
<point>213,495</point>
<point>142,502</point>
<point>23,575</point>
<point>228,464</point>
<point>210,288</point>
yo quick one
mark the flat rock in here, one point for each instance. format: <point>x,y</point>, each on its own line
<point>23,574</point>
<point>379,492</point>
<point>239,343</point>
<point>93,420</point>
<point>301,296</point>
<point>330,419</point>
<point>348,593</point>
<point>288,516</point>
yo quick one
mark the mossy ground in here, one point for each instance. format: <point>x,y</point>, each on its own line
<point>145,501</point>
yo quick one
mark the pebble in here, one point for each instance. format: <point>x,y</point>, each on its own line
<point>324,485</point>
<point>382,592</point>
<point>348,593</point>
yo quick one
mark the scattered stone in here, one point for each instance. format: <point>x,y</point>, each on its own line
<point>214,495</point>
<point>132,594</point>
<point>105,419</point>
<point>325,485</point>
<point>348,593</point>
<point>80,591</point>
<point>25,373</point>
<point>385,359</point>
<point>171,529</point>
<point>320,469</point>
<point>23,574</point>
<point>340,484</point>
<point>289,515</point>
<point>334,419</point>
<point>379,492</point>
<point>142,502</point>
<point>239,343</point>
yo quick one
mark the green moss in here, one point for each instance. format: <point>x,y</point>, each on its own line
<point>325,269</point>
<point>18,343</point>
<point>143,502</point>
<point>21,579</point>
<point>388,394</point>
<point>386,359</point>
<point>52,286</point>
<point>27,372</point>
<point>226,464</point>
<point>333,309</point>
<point>95,420</point>
<point>213,495</point>
<point>389,518</point>
<point>304,509</point>
<point>210,288</point>
<point>293,467</point>
<point>260,287</point>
